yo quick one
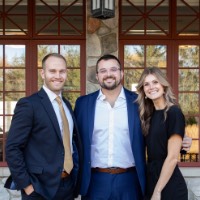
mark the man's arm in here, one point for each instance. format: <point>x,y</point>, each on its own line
<point>186,143</point>
<point>18,137</point>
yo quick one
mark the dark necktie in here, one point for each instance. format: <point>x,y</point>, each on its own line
<point>68,162</point>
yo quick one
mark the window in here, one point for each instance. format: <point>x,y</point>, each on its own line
<point>144,18</point>
<point>187,18</point>
<point>137,57</point>
<point>14,18</point>
<point>165,34</point>
<point>12,85</point>
<point>189,94</point>
<point>72,88</point>
<point>59,18</point>
<point>29,30</point>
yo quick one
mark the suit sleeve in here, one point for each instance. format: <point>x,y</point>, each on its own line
<point>18,136</point>
<point>76,108</point>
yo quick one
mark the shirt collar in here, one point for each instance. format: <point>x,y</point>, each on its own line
<point>50,94</point>
<point>102,97</point>
<point>122,94</point>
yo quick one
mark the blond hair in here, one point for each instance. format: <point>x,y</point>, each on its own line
<point>146,106</point>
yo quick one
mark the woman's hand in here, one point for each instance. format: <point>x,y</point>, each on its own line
<point>156,195</point>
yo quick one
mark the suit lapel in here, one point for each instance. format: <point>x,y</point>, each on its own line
<point>91,113</point>
<point>50,111</point>
<point>131,110</point>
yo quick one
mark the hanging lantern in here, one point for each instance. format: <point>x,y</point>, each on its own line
<point>103,9</point>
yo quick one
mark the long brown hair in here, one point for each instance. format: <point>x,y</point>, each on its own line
<point>146,106</point>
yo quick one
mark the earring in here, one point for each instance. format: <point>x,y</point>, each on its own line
<point>145,97</point>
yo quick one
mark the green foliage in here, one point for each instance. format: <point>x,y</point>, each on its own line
<point>72,55</point>
<point>15,80</point>
<point>134,56</point>
<point>71,97</point>
<point>191,121</point>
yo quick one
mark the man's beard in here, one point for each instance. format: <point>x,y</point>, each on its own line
<point>111,87</point>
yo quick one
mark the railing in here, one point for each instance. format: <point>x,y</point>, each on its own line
<point>190,157</point>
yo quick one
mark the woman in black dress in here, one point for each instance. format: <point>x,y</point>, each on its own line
<point>163,125</point>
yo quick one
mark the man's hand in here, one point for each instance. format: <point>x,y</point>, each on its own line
<point>187,143</point>
<point>29,189</point>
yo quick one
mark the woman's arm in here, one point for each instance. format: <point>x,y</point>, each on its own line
<point>174,146</point>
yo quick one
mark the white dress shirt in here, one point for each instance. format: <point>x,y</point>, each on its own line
<point>111,141</point>
<point>52,96</point>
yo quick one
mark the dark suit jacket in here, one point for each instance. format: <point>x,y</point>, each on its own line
<point>34,147</point>
<point>85,111</point>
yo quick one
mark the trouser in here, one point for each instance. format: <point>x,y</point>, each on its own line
<point>106,186</point>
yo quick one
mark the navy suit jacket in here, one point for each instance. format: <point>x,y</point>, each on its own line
<point>34,147</point>
<point>85,112</point>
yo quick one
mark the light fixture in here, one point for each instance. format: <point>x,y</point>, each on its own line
<point>103,9</point>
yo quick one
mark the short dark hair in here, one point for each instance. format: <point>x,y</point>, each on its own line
<point>57,55</point>
<point>107,57</point>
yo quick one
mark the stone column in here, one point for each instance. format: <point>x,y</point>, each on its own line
<point>102,38</point>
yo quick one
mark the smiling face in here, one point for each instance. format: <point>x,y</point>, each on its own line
<point>109,74</point>
<point>153,89</point>
<point>54,74</point>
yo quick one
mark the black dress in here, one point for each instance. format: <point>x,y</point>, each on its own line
<point>156,141</point>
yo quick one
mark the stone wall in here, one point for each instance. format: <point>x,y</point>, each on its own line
<point>193,188</point>
<point>102,38</point>
<point>4,193</point>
